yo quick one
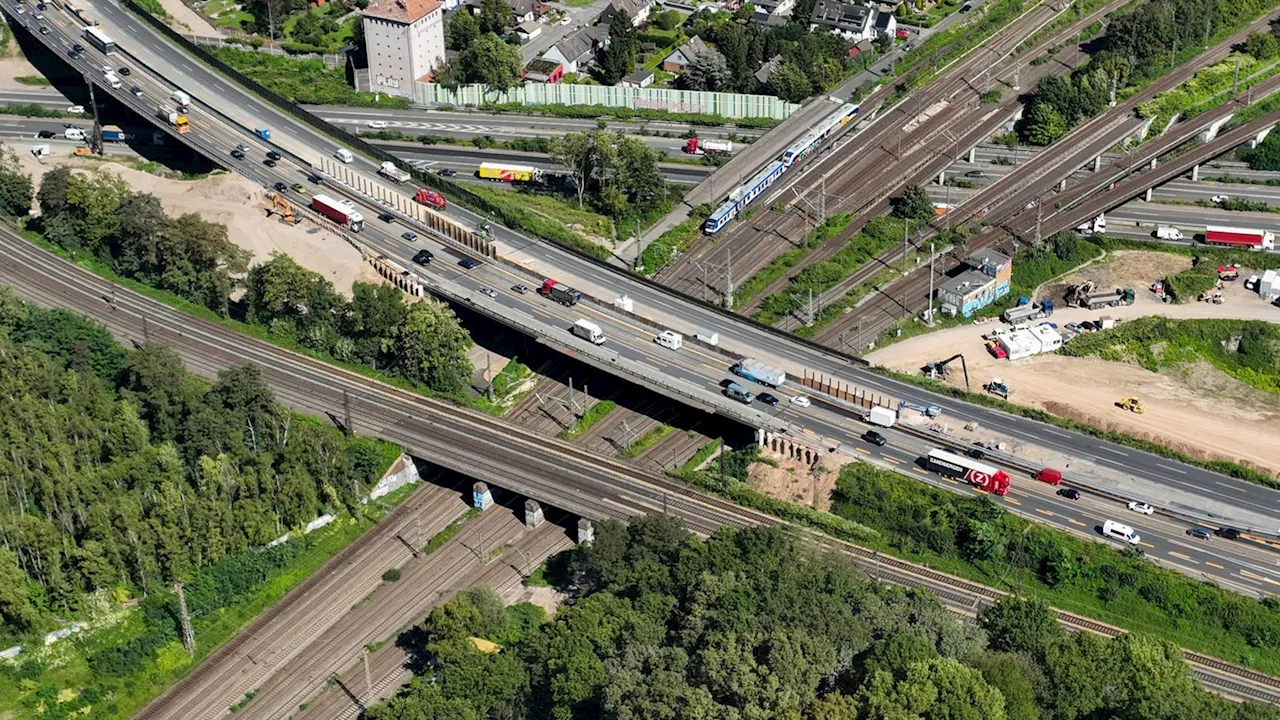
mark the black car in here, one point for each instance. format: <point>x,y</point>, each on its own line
<point>975,453</point>
<point>136,90</point>
<point>387,217</point>
<point>468,263</point>
<point>281,187</point>
<point>237,154</point>
<point>423,257</point>
<point>42,7</point>
<point>1199,533</point>
<point>78,48</point>
<point>446,172</point>
<point>273,154</point>
<point>975,174</point>
<point>44,30</point>
<point>46,134</point>
<point>269,162</point>
<point>1227,533</point>
<point>410,236</point>
<point>874,438</point>
<point>767,399</point>
<point>314,178</point>
<point>1069,493</point>
<point>124,72</point>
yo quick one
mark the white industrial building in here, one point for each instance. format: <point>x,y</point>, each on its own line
<point>405,40</point>
<point>1269,285</point>
<point>1027,341</point>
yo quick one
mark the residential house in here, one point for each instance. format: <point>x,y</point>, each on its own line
<point>637,79</point>
<point>576,51</point>
<point>682,56</point>
<point>405,41</point>
<point>886,24</point>
<point>852,22</point>
<point>528,30</point>
<point>637,9</point>
<point>769,21</point>
<point>543,71</point>
<point>522,11</point>
<point>767,69</point>
<point>985,279</point>
<point>774,7</point>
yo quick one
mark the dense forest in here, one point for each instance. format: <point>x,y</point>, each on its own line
<point>1140,45</point>
<point>121,473</point>
<point>753,624</point>
<point>97,214</point>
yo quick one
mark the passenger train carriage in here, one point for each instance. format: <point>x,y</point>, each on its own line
<point>744,194</point>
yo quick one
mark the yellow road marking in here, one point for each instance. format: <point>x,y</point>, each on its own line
<point>953,482</point>
<point>919,470</point>
<point>1145,544</point>
<point>892,460</point>
<point>1011,500</point>
<point>1042,511</point>
<point>1251,576</point>
<point>864,451</point>
<point>1180,555</point>
<point>1214,564</point>
<point>1076,522</point>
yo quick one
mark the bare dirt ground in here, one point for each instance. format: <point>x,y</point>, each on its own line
<point>12,66</point>
<point>235,202</point>
<point>1197,409</point>
<point>187,20</point>
<point>794,481</point>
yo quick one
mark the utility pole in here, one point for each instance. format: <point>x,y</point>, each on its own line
<point>931,256</point>
<point>1114,79</point>
<point>368,685</point>
<point>488,375</point>
<point>1206,33</point>
<point>1039,217</point>
<point>346,413</point>
<point>184,617</point>
<point>728,279</point>
<point>1235,83</point>
<point>906,232</point>
<point>95,138</point>
<point>822,199</point>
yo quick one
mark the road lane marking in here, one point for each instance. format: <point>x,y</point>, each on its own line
<point>864,451</point>
<point>1184,557</point>
<point>1076,522</point>
<point>1256,578</point>
<point>1214,564</point>
<point>895,461</point>
<point>1110,450</point>
<point>922,471</point>
<point>1174,469</point>
<point>1055,432</point>
<point>1011,500</point>
<point>1146,544</point>
<point>1044,512</point>
<point>953,482</point>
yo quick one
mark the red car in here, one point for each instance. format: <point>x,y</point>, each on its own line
<point>904,33</point>
<point>996,351</point>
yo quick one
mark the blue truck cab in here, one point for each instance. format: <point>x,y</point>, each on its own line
<point>264,133</point>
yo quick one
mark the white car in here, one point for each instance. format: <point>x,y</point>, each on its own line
<point>801,401</point>
<point>1142,508</point>
<point>377,124</point>
<point>1220,198</point>
<point>76,110</point>
<point>107,69</point>
<point>489,291</point>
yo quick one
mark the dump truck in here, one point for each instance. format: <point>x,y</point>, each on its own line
<point>430,198</point>
<point>702,146</point>
<point>1239,237</point>
<point>502,172</point>
<point>1119,296</point>
<point>759,372</point>
<point>174,118</point>
<point>979,474</point>
<point>559,292</point>
<point>341,211</point>
<point>1028,311</point>
<point>389,170</point>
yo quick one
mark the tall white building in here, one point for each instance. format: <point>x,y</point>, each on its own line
<point>405,40</point>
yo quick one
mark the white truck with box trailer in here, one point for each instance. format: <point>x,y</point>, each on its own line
<point>882,416</point>
<point>757,371</point>
<point>589,331</point>
<point>389,170</point>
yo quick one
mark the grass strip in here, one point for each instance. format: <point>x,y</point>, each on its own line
<point>593,415</point>
<point>646,441</point>
<point>439,539</point>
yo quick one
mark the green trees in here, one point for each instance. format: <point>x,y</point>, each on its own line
<point>125,474</point>
<point>790,82</point>
<point>618,173</point>
<point>708,71</point>
<point>486,60</point>
<point>618,56</point>
<point>16,190</point>
<point>495,16</point>
<point>913,204</point>
<point>463,30</point>
<point>1043,124</point>
<point>750,624</point>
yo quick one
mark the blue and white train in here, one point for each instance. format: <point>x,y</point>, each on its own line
<point>742,195</point>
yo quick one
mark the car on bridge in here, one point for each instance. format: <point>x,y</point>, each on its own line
<point>468,263</point>
<point>377,124</point>
<point>237,153</point>
<point>44,30</point>
<point>299,188</point>
<point>875,438</point>
<point>273,155</point>
<point>423,257</point>
<point>269,162</point>
<point>1199,533</point>
<point>410,236</point>
<point>768,399</point>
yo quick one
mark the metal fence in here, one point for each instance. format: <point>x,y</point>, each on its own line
<point>330,60</point>
<point>729,105</point>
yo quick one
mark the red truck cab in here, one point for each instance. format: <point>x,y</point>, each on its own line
<point>430,198</point>
<point>1048,475</point>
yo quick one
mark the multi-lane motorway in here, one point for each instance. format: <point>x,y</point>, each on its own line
<point>1164,483</point>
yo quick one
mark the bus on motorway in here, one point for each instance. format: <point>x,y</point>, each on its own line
<point>99,39</point>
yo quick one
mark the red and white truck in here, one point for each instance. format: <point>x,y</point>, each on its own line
<point>701,146</point>
<point>979,474</point>
<point>559,292</point>
<point>430,198</point>
<point>1241,238</point>
<point>341,211</point>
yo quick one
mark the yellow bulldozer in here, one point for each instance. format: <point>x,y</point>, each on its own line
<point>1132,404</point>
<point>284,209</point>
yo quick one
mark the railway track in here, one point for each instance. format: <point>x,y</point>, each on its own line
<point>875,158</point>
<point>556,473</point>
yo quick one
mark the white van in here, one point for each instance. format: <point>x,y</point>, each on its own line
<point>670,340</point>
<point>344,155</point>
<point>589,331</point>
<point>73,133</point>
<point>1121,532</point>
<point>113,80</point>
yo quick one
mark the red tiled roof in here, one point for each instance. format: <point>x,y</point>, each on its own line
<point>405,11</point>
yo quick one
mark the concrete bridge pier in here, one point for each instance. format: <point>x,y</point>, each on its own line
<point>586,531</point>
<point>1147,195</point>
<point>1097,163</point>
<point>532,514</point>
<point>942,178</point>
<point>1062,185</point>
<point>1211,132</point>
<point>973,154</point>
<point>788,448</point>
<point>481,497</point>
<point>1253,142</point>
<point>1153,163</point>
<point>1195,173</point>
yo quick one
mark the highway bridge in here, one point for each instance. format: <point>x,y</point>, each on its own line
<point>224,114</point>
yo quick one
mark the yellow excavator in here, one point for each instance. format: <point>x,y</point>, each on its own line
<point>1132,404</point>
<point>284,209</point>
